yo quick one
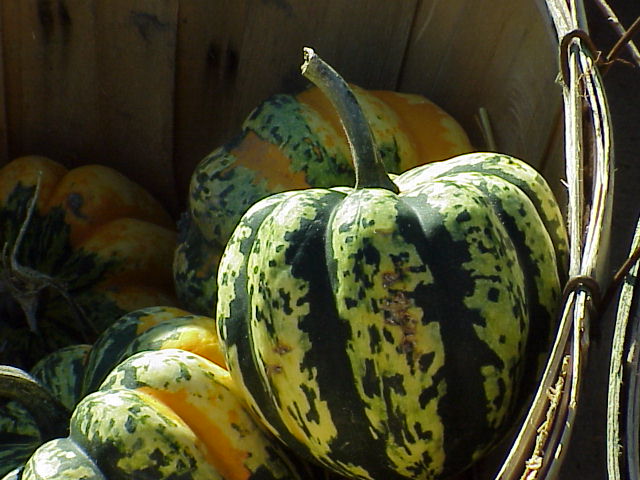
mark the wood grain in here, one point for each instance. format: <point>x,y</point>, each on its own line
<point>136,45</point>
<point>207,57</point>
<point>47,47</point>
<point>464,58</point>
<point>151,87</point>
<point>92,82</point>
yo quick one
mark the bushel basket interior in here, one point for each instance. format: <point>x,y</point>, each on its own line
<point>150,88</point>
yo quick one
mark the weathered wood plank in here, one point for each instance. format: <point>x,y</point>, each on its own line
<point>136,47</point>
<point>151,87</point>
<point>464,59</point>
<point>92,82</point>
<point>364,40</point>
<point>50,83</point>
<point>209,34</point>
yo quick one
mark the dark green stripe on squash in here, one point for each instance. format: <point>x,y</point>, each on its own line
<point>443,302</point>
<point>235,333</point>
<point>530,182</point>
<point>524,225</point>
<point>119,341</point>
<point>62,372</point>
<point>195,266</point>
<point>327,334</point>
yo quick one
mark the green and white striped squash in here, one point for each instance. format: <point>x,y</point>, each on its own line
<point>62,372</point>
<point>387,335</point>
<point>291,142</point>
<point>31,412</point>
<point>164,414</point>
<point>151,328</point>
<point>70,373</point>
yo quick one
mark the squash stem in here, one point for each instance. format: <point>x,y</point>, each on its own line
<point>370,171</point>
<point>51,417</point>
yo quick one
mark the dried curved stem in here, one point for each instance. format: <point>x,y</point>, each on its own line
<point>625,39</point>
<point>24,284</point>
<point>369,169</point>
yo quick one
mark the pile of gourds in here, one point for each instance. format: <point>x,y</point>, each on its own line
<point>75,254</point>
<point>387,330</point>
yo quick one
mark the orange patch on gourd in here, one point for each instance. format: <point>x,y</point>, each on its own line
<point>218,450</point>
<point>268,163</point>
<point>93,195</point>
<point>201,339</point>
<point>142,249</point>
<point>26,171</point>
<point>433,132</point>
<point>153,319</point>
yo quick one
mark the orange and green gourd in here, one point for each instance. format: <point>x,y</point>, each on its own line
<point>80,247</point>
<point>292,142</point>
<point>164,414</point>
<point>40,402</point>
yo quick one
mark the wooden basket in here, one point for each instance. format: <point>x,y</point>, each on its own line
<point>151,87</point>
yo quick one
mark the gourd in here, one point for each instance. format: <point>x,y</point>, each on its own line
<point>67,375</point>
<point>151,328</point>
<point>75,254</point>
<point>163,414</point>
<point>32,415</point>
<point>385,334</point>
<point>291,142</point>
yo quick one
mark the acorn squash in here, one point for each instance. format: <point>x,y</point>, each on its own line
<point>386,330</point>
<point>151,328</point>
<point>70,373</point>
<point>30,414</point>
<point>75,255</point>
<point>290,142</point>
<point>164,414</point>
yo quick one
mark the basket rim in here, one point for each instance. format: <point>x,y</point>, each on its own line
<point>541,442</point>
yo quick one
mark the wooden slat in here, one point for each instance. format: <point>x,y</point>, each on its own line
<point>49,82</point>
<point>464,59</point>
<point>151,87</point>
<point>92,82</point>
<point>363,39</point>
<point>209,34</point>
<point>136,45</point>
